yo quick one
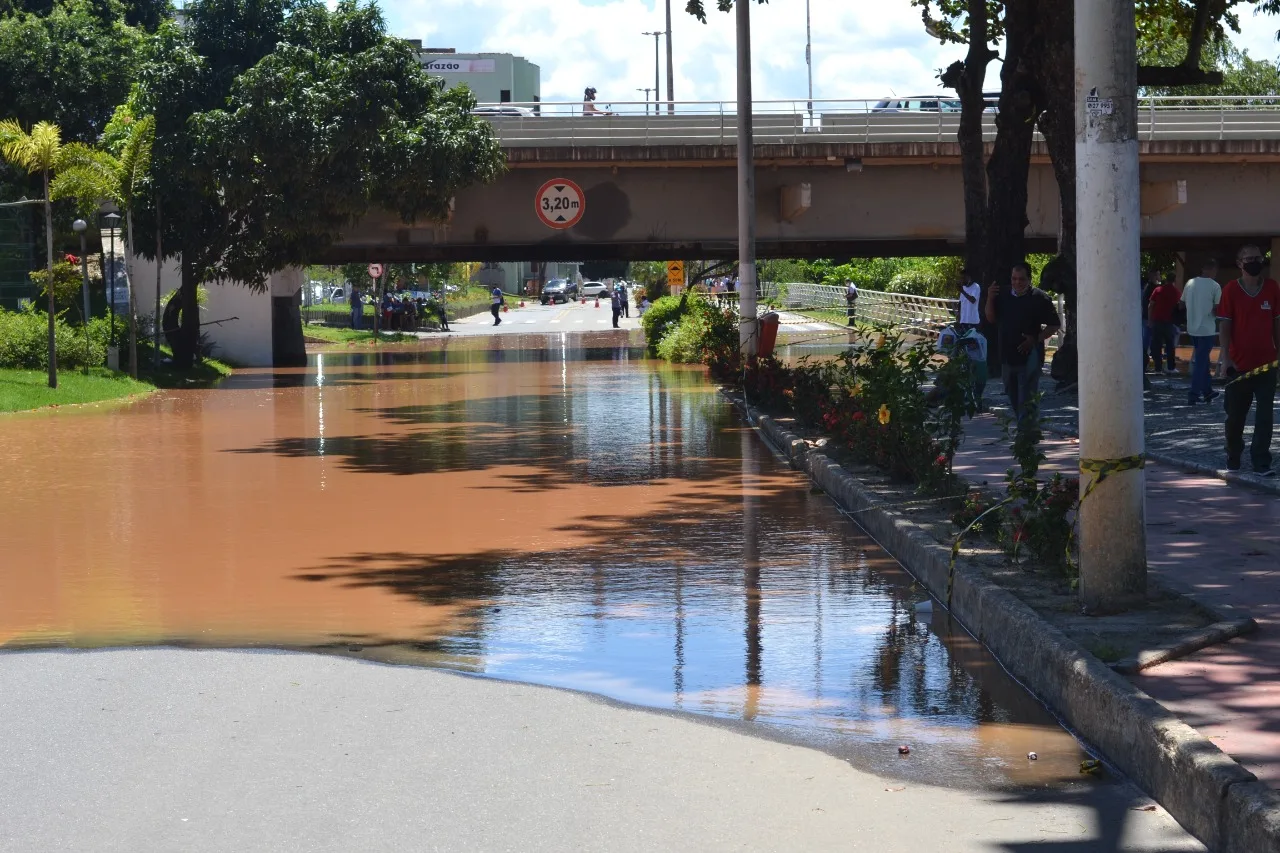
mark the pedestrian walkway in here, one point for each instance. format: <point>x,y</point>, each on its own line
<point>1216,540</point>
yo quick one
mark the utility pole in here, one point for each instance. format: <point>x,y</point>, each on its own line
<point>671,86</point>
<point>747,322</point>
<point>808,56</point>
<point>1113,549</point>
<point>646,100</point>
<point>656,90</point>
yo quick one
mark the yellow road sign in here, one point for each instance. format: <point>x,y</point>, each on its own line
<point>675,273</point>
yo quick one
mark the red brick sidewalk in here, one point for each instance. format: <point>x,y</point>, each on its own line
<point>1220,542</point>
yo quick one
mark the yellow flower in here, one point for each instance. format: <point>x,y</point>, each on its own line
<point>880,342</point>
<point>857,389</point>
<point>884,414</point>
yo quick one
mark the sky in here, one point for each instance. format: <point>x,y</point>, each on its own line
<point>861,48</point>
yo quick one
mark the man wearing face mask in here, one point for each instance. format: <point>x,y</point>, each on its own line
<point>1250,338</point>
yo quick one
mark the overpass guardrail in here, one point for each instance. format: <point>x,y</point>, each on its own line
<point>564,123</point>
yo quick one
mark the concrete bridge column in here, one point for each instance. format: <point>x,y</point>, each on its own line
<point>288,349</point>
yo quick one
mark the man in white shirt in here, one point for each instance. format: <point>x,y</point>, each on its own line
<point>1201,295</point>
<point>970,291</point>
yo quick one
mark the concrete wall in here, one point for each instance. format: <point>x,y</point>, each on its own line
<point>246,341</point>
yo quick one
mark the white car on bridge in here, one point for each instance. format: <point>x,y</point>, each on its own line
<point>591,289</point>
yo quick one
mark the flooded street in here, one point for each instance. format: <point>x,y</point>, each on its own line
<point>530,509</point>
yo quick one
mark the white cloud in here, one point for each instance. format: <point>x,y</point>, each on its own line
<point>861,49</point>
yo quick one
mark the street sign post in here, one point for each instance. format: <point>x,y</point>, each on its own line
<point>375,271</point>
<point>675,274</point>
<point>560,203</point>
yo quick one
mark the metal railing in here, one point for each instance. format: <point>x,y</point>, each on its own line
<point>842,121</point>
<point>923,315</point>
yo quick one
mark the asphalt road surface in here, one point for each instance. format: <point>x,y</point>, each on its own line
<point>535,317</point>
<point>165,749</point>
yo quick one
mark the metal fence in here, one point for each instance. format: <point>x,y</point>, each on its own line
<point>918,314</point>
<point>844,121</point>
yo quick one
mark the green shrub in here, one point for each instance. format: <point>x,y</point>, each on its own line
<point>656,322</point>
<point>24,341</point>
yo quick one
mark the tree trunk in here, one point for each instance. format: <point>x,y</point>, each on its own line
<point>186,341</point>
<point>968,78</point>
<point>53,329</point>
<point>1056,46</point>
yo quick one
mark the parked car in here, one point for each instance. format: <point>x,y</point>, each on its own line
<point>337,294</point>
<point>930,104</point>
<point>503,110</point>
<point>558,290</point>
<point>594,288</point>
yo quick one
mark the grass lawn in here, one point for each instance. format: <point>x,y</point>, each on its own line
<point>352,337</point>
<point>21,390</point>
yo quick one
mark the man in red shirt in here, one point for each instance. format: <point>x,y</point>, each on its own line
<point>1250,338</point>
<point>1164,328</point>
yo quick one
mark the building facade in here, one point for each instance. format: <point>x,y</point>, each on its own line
<point>494,78</point>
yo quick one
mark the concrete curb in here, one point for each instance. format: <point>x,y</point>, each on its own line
<point>1211,795</point>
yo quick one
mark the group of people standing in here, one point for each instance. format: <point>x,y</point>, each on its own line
<point>1242,317</point>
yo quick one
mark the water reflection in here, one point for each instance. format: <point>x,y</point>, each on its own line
<point>560,514</point>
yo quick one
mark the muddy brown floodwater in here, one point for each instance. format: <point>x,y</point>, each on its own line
<point>544,511</point>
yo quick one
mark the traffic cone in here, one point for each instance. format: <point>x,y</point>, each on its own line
<point>521,303</point>
<point>597,301</point>
<point>505,308</point>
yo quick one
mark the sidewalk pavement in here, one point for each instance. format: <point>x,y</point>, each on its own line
<point>1219,541</point>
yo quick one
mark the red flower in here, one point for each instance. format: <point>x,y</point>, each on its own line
<point>859,416</point>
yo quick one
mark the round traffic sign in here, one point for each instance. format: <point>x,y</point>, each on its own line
<point>375,270</point>
<point>560,203</point>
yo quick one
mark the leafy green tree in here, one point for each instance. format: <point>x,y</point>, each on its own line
<point>279,123</point>
<point>68,63</point>
<point>42,153</point>
<point>93,175</point>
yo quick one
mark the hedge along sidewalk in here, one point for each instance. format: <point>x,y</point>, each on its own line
<point>1211,795</point>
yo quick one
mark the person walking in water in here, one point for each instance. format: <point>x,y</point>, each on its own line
<point>1026,318</point>
<point>1201,296</point>
<point>496,304</point>
<point>1250,337</point>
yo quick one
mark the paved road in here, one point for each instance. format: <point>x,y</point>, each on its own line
<point>536,318</point>
<point>165,749</point>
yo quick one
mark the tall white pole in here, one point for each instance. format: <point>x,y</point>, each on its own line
<point>808,56</point>
<point>671,86</point>
<point>747,323</point>
<point>1113,573</point>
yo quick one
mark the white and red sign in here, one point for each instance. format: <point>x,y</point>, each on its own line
<point>375,270</point>
<point>560,203</point>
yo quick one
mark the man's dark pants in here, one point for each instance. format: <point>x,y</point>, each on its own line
<point>1164,341</point>
<point>616,314</point>
<point>494,309</point>
<point>1021,383</point>
<point>1239,395</point>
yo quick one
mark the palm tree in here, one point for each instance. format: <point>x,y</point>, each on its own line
<point>38,151</point>
<point>91,174</point>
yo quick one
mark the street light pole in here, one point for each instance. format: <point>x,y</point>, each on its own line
<point>671,86</point>
<point>747,322</point>
<point>655,62</point>
<point>1113,568</point>
<point>646,99</point>
<point>808,56</point>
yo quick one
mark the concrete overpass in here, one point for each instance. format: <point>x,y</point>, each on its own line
<point>840,178</point>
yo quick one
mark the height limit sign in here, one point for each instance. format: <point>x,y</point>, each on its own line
<point>560,203</point>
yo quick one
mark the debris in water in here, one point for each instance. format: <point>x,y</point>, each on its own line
<point>904,750</point>
<point>1031,756</point>
<point>1091,766</point>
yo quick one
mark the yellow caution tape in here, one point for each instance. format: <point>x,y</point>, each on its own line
<point>1104,468</point>
<point>1257,371</point>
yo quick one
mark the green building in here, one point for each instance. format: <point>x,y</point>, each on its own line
<point>494,78</point>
